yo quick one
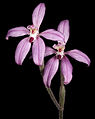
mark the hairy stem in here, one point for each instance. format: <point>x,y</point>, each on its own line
<point>61,96</point>
<point>53,98</point>
<point>60,114</point>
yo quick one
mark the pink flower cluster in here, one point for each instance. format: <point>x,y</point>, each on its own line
<point>39,50</point>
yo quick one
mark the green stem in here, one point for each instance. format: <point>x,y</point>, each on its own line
<point>61,96</point>
<point>41,68</point>
<point>53,98</point>
<point>61,101</point>
<point>60,114</point>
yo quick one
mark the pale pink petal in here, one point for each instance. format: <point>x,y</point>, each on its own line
<point>66,69</point>
<point>49,51</point>
<point>38,15</point>
<point>22,50</point>
<point>50,70</point>
<point>17,31</point>
<point>79,56</point>
<point>52,34</point>
<point>38,51</point>
<point>63,27</point>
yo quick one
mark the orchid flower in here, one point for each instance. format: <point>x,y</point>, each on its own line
<point>66,67</point>
<point>38,47</point>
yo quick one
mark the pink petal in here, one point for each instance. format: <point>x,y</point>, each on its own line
<point>38,15</point>
<point>22,50</point>
<point>17,31</point>
<point>38,51</point>
<point>66,69</point>
<point>63,27</point>
<point>79,56</point>
<point>49,51</point>
<point>50,70</point>
<point>52,34</point>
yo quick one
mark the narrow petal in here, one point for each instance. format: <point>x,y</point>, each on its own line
<point>38,51</point>
<point>66,69</point>
<point>63,27</point>
<point>38,15</point>
<point>22,50</point>
<point>17,31</point>
<point>79,56</point>
<point>50,70</point>
<point>52,34</point>
<point>49,51</point>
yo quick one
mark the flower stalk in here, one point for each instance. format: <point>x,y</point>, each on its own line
<point>41,68</point>
<point>61,96</point>
<point>53,98</point>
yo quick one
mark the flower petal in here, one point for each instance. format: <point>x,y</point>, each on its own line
<point>79,56</point>
<point>38,51</point>
<point>38,15</point>
<point>49,51</point>
<point>66,69</point>
<point>50,70</point>
<point>52,34</point>
<point>63,27</point>
<point>17,31</point>
<point>22,50</point>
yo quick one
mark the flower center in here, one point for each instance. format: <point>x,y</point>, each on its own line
<point>60,50</point>
<point>33,33</point>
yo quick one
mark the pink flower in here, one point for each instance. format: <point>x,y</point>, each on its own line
<point>66,67</point>
<point>38,48</point>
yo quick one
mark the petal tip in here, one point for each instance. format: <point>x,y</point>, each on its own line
<point>47,85</point>
<point>66,20</point>
<point>40,64</point>
<point>7,38</point>
<point>66,83</point>
<point>18,63</point>
<point>42,4</point>
<point>37,63</point>
<point>89,63</point>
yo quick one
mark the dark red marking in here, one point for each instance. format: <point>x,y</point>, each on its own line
<point>31,39</point>
<point>59,50</point>
<point>33,31</point>
<point>59,57</point>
